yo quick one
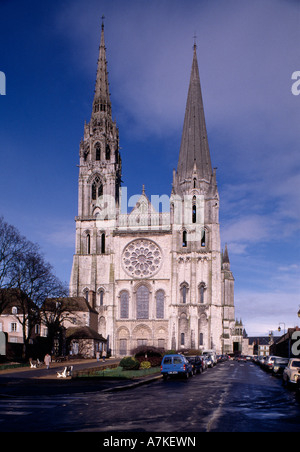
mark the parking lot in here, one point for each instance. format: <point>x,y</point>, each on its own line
<point>230,397</point>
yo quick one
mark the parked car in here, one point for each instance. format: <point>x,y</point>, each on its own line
<point>176,365</point>
<point>269,362</point>
<point>261,360</point>
<point>197,364</point>
<point>291,373</point>
<point>279,365</point>
<point>212,354</point>
<point>209,361</point>
<point>222,358</point>
<point>298,386</point>
<point>204,363</point>
<point>241,359</point>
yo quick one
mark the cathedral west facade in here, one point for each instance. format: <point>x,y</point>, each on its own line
<point>154,278</point>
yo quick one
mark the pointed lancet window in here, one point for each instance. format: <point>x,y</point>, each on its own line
<point>160,304</point>
<point>88,244</point>
<point>124,305</point>
<point>184,239</point>
<point>203,239</point>
<point>107,153</point>
<point>97,188</point>
<point>98,153</point>
<point>142,303</point>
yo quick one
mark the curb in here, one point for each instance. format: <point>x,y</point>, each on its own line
<point>133,385</point>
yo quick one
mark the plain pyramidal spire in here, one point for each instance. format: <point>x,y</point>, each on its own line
<point>194,150</point>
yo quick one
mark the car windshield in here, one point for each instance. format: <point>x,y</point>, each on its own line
<point>296,364</point>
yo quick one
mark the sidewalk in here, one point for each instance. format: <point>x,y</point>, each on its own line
<point>43,373</point>
<point>28,382</point>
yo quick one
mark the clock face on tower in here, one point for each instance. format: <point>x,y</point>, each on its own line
<point>142,258</point>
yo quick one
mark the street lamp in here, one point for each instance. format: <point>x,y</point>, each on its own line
<point>271,335</point>
<point>279,328</point>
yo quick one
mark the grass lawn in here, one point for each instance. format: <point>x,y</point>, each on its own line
<point>119,373</point>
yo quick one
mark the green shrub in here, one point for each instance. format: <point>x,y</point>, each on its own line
<point>147,351</point>
<point>145,365</point>
<point>129,363</point>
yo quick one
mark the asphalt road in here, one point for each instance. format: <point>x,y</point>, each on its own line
<point>232,397</point>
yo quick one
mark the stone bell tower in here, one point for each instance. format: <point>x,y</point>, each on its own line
<point>99,180</point>
<point>196,230</point>
<point>100,162</point>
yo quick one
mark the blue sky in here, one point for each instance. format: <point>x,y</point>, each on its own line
<point>247,53</point>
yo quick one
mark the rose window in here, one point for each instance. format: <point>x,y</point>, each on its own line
<point>142,258</point>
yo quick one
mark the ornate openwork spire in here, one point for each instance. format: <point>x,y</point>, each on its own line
<point>102,98</point>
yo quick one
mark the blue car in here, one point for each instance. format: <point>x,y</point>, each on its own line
<point>176,365</point>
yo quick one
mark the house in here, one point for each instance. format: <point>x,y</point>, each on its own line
<point>259,346</point>
<point>78,326</point>
<point>287,345</point>
<point>14,307</point>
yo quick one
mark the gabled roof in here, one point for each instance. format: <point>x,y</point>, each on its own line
<point>10,298</point>
<point>72,304</point>
<point>143,206</point>
<point>83,332</point>
<point>259,340</point>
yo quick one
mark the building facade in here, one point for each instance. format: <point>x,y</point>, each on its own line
<point>155,278</point>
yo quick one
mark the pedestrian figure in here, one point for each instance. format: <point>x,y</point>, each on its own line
<point>104,355</point>
<point>47,360</point>
<point>98,356</point>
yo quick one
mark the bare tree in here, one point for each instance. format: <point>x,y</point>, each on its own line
<point>23,268</point>
<point>12,244</point>
<point>35,279</point>
<point>54,313</point>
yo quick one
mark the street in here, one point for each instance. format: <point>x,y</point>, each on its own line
<point>232,397</point>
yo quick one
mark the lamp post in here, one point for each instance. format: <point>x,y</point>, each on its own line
<point>271,336</point>
<point>279,328</point>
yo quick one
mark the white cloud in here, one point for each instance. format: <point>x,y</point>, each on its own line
<point>262,312</point>
<point>289,268</point>
<point>245,51</point>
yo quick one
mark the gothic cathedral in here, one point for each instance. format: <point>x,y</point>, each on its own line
<point>155,278</point>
